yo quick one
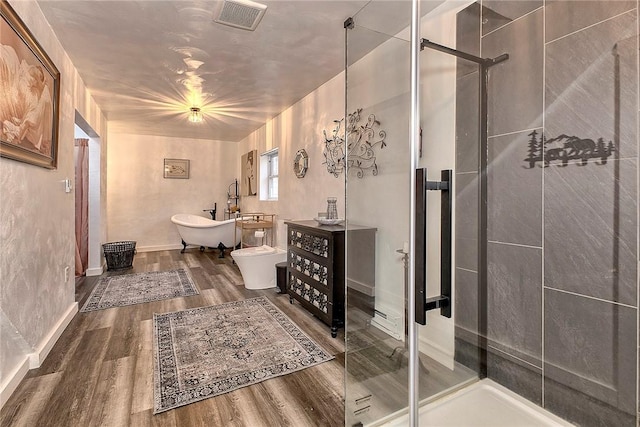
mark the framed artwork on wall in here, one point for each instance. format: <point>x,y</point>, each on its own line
<point>249,173</point>
<point>30,109</point>
<point>176,168</point>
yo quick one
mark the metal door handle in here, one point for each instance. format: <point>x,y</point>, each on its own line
<point>444,300</point>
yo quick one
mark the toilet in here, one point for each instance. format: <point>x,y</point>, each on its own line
<point>258,265</point>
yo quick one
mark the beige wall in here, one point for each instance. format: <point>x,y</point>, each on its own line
<point>299,126</point>
<point>141,201</point>
<point>37,227</point>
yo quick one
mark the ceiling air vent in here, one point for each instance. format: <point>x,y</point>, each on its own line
<point>243,14</point>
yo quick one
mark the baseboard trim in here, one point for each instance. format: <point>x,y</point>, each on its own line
<point>42,350</point>
<point>388,327</point>
<point>436,352</point>
<point>95,271</point>
<point>158,248</point>
<point>11,383</point>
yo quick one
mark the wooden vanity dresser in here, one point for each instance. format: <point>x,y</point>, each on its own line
<point>316,269</point>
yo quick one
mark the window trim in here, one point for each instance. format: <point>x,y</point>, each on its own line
<point>267,176</point>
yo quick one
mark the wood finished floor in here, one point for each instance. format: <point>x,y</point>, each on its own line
<point>100,372</point>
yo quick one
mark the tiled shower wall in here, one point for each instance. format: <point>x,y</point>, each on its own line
<point>562,250</point>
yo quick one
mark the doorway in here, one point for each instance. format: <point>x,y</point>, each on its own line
<point>88,169</point>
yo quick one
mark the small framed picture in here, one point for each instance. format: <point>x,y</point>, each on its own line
<point>176,168</point>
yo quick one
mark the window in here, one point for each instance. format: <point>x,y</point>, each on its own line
<point>269,178</point>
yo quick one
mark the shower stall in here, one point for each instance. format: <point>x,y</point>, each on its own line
<point>493,145</point>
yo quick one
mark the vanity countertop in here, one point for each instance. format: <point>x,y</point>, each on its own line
<point>310,223</point>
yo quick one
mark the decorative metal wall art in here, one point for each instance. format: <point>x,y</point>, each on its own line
<point>563,148</point>
<point>358,153</point>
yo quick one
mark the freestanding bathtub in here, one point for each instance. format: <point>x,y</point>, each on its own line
<point>206,233</point>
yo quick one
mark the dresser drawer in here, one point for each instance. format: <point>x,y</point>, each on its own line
<point>312,269</point>
<point>308,241</point>
<point>314,299</point>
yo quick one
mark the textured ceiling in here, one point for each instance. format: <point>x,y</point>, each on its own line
<point>147,62</point>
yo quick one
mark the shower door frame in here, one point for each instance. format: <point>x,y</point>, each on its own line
<point>417,269</point>
<point>483,155</point>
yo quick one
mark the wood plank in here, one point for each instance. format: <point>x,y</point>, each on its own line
<point>147,419</point>
<point>30,401</point>
<point>102,319</point>
<point>124,332</point>
<point>217,411</point>
<point>142,398</point>
<point>201,278</point>
<point>111,401</point>
<point>70,403</point>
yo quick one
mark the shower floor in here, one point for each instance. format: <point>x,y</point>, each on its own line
<point>484,403</point>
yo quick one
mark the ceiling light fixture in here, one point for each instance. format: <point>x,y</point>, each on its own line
<point>195,115</point>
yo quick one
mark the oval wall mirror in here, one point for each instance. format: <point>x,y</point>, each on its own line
<point>301,163</point>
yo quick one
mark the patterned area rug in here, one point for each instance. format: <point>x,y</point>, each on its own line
<point>129,289</point>
<point>207,351</point>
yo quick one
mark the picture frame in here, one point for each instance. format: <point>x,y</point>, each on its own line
<point>34,84</point>
<point>176,168</point>
<point>249,173</point>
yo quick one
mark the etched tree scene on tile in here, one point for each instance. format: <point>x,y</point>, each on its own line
<point>564,148</point>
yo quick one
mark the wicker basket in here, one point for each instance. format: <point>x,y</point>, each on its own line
<point>119,255</point>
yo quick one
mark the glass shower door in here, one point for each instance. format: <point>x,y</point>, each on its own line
<point>379,198</point>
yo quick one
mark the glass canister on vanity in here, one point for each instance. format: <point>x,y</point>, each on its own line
<point>332,209</point>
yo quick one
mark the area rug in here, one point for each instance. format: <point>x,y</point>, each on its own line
<point>138,288</point>
<point>207,351</point>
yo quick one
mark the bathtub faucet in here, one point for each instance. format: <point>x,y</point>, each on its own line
<point>212,212</point>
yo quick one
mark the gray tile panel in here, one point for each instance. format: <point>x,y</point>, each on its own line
<point>565,17</point>
<point>516,85</point>
<point>516,375</point>
<point>591,228</point>
<point>514,300</point>
<point>466,185</point>
<point>466,351</point>
<point>581,409</point>
<point>514,191</point>
<point>466,301</point>
<point>468,37</point>
<point>467,253</point>
<point>591,86</point>
<point>590,353</point>
<point>467,122</point>
<point>497,13</point>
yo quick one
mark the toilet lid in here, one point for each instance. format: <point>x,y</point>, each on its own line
<point>258,250</point>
